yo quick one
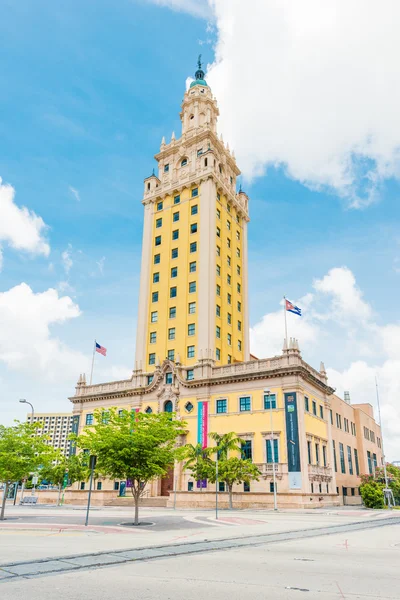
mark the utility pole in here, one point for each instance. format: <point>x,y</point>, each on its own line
<point>92,464</point>
<point>388,493</point>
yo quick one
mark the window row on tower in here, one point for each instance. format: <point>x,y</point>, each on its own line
<point>175,253</point>
<point>190,353</point>
<point>173,291</point>
<point>177,199</point>
<point>172,312</point>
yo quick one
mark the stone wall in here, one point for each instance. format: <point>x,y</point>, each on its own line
<point>253,500</point>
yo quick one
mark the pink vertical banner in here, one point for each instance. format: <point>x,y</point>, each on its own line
<point>204,425</point>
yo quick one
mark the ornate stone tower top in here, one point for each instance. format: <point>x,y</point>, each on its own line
<point>199,107</point>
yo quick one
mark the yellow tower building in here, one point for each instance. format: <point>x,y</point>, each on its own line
<point>193,286</point>
<point>192,347</point>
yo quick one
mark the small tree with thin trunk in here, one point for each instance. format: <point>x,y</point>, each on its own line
<point>233,471</point>
<point>71,466</point>
<point>22,452</point>
<point>140,447</point>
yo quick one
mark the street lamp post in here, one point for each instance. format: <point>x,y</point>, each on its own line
<point>388,493</point>
<point>23,401</point>
<point>268,395</point>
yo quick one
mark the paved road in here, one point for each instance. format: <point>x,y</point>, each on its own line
<point>349,565</point>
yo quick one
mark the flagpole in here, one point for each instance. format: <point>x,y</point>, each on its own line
<point>94,353</point>
<point>284,312</point>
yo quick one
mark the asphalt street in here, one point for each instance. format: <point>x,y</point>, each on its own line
<point>355,565</point>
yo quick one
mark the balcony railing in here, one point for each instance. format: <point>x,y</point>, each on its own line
<point>267,469</point>
<point>319,473</point>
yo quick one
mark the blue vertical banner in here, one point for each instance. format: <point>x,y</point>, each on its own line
<point>202,432</point>
<point>292,441</point>
<point>74,429</point>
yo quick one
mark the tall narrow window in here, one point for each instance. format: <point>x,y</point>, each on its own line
<point>341,453</point>
<point>356,462</point>
<point>350,460</point>
<point>272,458</point>
<point>334,455</point>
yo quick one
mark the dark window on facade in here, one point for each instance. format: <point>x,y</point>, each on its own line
<point>334,456</point>
<point>247,450</point>
<point>245,404</point>
<point>272,458</point>
<point>221,406</point>
<point>356,462</point>
<point>341,453</point>
<point>269,401</point>
<point>168,406</point>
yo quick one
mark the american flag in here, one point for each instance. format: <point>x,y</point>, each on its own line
<point>101,349</point>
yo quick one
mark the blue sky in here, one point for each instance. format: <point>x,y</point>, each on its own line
<point>88,91</point>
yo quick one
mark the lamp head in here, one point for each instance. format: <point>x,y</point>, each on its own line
<point>23,401</point>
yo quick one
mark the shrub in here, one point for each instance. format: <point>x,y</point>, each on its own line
<point>372,495</point>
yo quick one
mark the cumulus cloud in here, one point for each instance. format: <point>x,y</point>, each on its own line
<point>313,88</point>
<point>197,8</point>
<point>338,327</point>
<point>26,340</point>
<point>21,228</point>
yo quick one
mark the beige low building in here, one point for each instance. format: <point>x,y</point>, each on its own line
<point>357,445</point>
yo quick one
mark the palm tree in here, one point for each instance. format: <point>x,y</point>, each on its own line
<point>226,443</point>
<point>197,460</point>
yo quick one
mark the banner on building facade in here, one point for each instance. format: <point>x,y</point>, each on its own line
<point>202,424</point>
<point>202,433</point>
<point>292,440</point>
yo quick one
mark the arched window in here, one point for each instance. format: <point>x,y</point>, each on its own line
<point>168,407</point>
<point>184,162</point>
<point>205,162</point>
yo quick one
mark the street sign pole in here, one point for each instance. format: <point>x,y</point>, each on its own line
<point>92,464</point>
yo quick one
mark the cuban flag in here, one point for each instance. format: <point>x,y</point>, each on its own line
<point>292,308</point>
<point>101,349</point>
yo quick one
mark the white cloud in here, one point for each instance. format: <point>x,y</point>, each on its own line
<point>311,87</point>
<point>197,8</point>
<point>26,340</point>
<point>66,259</point>
<point>21,228</point>
<point>338,327</point>
<point>75,193</point>
<point>347,301</point>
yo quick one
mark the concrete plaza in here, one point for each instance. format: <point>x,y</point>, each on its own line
<point>322,554</point>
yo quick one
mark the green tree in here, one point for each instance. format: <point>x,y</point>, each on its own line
<point>22,452</point>
<point>136,446</point>
<point>235,470</point>
<point>72,466</point>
